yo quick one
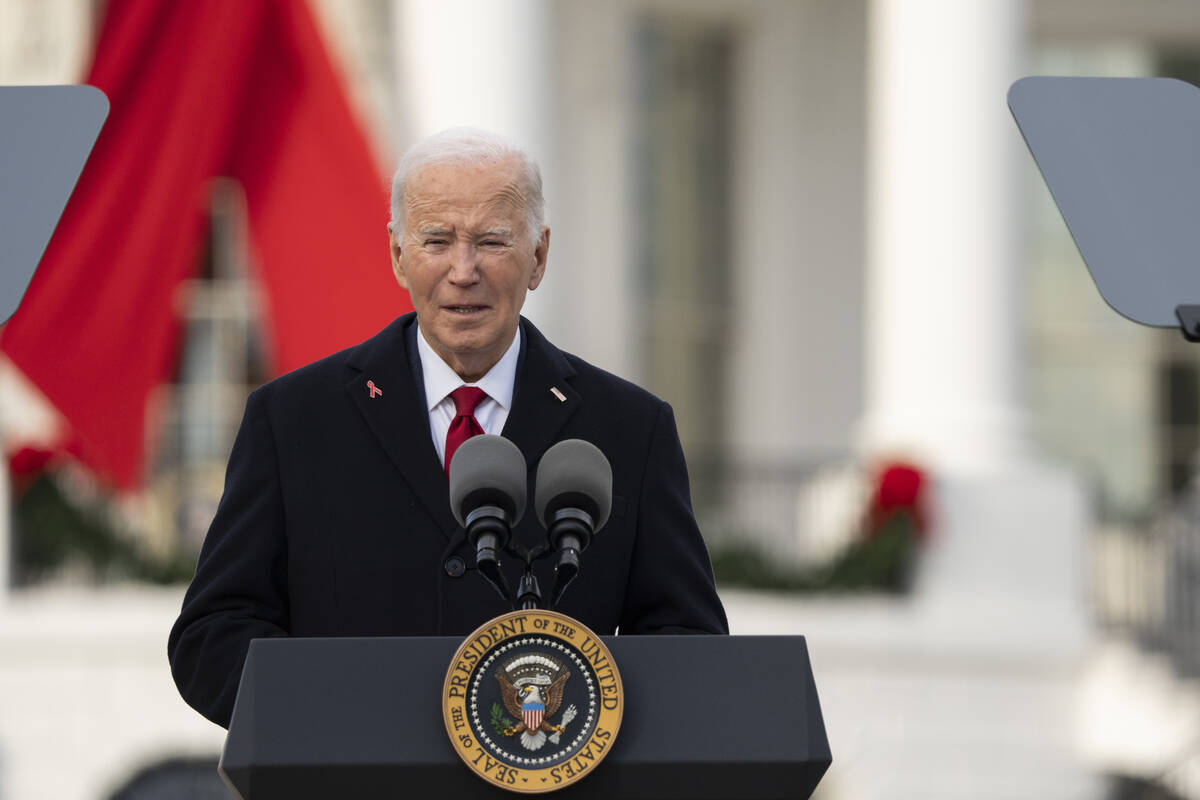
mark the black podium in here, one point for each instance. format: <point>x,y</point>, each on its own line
<point>706,717</point>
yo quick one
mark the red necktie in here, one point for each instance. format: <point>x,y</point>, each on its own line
<point>464,425</point>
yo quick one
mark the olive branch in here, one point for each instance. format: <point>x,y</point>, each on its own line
<point>501,724</point>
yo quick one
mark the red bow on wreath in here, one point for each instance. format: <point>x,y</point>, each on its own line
<point>899,489</point>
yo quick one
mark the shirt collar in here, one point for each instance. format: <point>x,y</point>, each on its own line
<point>441,380</point>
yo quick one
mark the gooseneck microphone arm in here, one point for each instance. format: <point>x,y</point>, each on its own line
<point>488,530</point>
<point>570,530</point>
<point>487,497</point>
<point>573,495</point>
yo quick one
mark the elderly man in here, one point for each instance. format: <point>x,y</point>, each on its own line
<point>335,519</point>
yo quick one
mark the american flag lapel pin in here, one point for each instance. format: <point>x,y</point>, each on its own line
<point>562,398</point>
<point>375,390</point>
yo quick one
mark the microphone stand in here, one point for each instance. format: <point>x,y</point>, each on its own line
<point>529,591</point>
<point>529,594</point>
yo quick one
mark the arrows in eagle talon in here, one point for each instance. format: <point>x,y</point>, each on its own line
<point>567,716</point>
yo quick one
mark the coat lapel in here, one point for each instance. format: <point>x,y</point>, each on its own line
<point>543,399</point>
<point>397,415</point>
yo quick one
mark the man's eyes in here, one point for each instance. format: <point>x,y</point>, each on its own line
<point>444,241</point>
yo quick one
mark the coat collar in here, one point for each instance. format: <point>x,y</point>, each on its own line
<point>397,415</point>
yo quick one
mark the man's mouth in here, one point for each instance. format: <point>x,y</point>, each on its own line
<point>465,309</point>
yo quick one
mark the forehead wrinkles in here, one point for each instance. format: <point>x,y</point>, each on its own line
<point>464,196</point>
<point>502,210</point>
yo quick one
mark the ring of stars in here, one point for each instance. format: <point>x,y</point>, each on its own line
<point>585,670</point>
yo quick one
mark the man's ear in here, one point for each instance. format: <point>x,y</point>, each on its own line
<point>540,253</point>
<point>394,237</point>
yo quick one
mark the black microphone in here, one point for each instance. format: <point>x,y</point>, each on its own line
<point>487,496</point>
<point>573,496</point>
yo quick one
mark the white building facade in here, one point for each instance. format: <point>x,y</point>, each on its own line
<point>812,227</point>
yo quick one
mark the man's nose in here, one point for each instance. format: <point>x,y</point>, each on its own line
<point>464,260</point>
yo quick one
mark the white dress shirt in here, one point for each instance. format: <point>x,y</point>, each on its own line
<point>441,380</point>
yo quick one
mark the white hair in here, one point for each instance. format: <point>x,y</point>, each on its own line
<point>471,146</point>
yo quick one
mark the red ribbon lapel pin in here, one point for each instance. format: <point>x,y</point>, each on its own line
<point>375,390</point>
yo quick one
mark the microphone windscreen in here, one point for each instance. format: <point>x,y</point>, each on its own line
<point>573,474</point>
<point>487,470</point>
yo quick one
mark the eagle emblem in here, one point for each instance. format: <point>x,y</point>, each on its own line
<point>531,687</point>
<point>532,701</point>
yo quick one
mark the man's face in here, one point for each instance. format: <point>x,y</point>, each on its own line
<point>466,259</point>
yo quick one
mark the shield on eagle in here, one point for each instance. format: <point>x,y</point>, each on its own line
<point>532,714</point>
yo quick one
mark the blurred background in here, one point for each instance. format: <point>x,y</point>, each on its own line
<point>916,433</point>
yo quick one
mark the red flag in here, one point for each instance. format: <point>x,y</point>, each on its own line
<point>198,90</point>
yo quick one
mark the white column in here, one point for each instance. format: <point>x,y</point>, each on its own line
<point>944,236</point>
<point>943,318</point>
<point>485,64</point>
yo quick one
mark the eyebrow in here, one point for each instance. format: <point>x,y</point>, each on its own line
<point>441,230</point>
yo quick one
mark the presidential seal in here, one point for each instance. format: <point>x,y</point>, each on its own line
<point>532,701</point>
